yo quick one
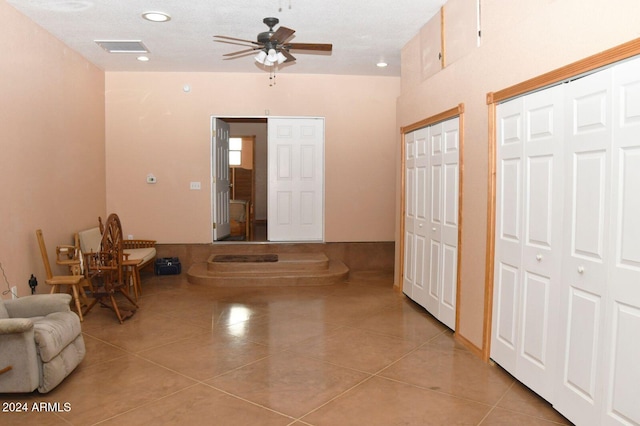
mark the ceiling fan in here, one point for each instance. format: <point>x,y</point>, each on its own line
<point>272,46</point>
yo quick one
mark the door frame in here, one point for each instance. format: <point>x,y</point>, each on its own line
<point>266,118</point>
<point>568,72</point>
<point>458,112</point>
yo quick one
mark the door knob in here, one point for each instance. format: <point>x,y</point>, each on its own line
<point>433,229</point>
<point>538,257</point>
<point>580,269</point>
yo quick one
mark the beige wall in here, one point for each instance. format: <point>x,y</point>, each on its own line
<point>521,39</point>
<point>153,126</point>
<point>52,164</point>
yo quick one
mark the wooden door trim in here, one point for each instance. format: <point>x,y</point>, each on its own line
<point>583,66</point>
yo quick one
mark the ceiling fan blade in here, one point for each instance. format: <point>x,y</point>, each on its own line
<point>289,56</point>
<point>238,39</point>
<point>310,46</point>
<point>240,52</point>
<point>281,35</point>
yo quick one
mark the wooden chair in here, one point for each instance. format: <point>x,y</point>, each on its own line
<point>56,281</point>
<point>105,269</point>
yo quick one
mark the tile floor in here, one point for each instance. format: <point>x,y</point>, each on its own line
<point>359,353</point>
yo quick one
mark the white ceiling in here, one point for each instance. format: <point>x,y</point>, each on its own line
<point>363,32</point>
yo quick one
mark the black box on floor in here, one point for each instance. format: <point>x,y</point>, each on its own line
<point>168,266</point>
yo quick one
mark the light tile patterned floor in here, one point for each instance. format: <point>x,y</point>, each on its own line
<point>353,354</point>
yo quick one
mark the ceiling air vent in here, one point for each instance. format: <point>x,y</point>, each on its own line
<point>122,46</point>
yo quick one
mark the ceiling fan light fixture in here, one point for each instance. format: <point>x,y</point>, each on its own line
<point>272,56</point>
<point>156,16</point>
<point>280,58</point>
<point>261,57</point>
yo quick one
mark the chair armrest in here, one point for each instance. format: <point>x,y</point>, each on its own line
<point>133,244</point>
<point>38,306</point>
<point>65,253</point>
<point>15,325</point>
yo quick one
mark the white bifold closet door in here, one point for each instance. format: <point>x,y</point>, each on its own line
<point>600,315</point>
<point>529,237</point>
<point>566,302</point>
<point>431,218</point>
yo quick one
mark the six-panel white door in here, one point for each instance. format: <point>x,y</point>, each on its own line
<point>220,193</point>
<point>295,210</point>
<point>529,239</point>
<point>622,321</point>
<point>416,224</point>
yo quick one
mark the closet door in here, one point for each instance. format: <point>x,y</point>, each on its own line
<point>508,240</point>
<point>529,240</point>
<point>443,221</point>
<point>543,169</point>
<point>588,133</point>
<point>622,325</point>
<point>431,219</point>
<point>417,197</point>
<point>409,269</point>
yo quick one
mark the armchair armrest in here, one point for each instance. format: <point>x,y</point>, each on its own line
<point>133,244</point>
<point>38,305</point>
<point>15,325</point>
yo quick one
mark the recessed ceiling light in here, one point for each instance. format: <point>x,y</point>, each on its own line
<point>143,58</point>
<point>381,64</point>
<point>156,16</point>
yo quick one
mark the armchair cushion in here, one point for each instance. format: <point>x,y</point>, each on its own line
<point>54,332</point>
<point>41,340</point>
<point>30,306</point>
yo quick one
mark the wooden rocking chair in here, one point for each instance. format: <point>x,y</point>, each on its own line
<point>105,269</point>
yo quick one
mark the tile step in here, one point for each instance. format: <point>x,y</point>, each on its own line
<point>267,274</point>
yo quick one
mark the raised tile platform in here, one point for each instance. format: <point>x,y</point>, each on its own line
<point>291,269</point>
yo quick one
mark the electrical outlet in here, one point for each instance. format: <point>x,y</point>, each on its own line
<point>130,237</point>
<point>14,292</point>
<point>195,185</point>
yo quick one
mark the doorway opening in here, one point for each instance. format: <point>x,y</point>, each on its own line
<point>273,187</point>
<point>248,180</point>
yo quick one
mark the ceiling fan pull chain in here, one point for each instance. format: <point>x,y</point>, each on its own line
<point>280,5</point>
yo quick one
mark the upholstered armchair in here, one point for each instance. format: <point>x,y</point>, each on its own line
<point>40,342</point>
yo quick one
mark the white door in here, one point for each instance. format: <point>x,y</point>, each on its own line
<point>622,326</point>
<point>448,225</point>
<point>590,316</point>
<point>295,209</point>
<point>416,225</point>
<point>220,193</point>
<point>528,237</point>
<point>543,202</point>
<point>431,219</point>
<point>409,268</point>
<point>508,239</point>
<point>584,273</point>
